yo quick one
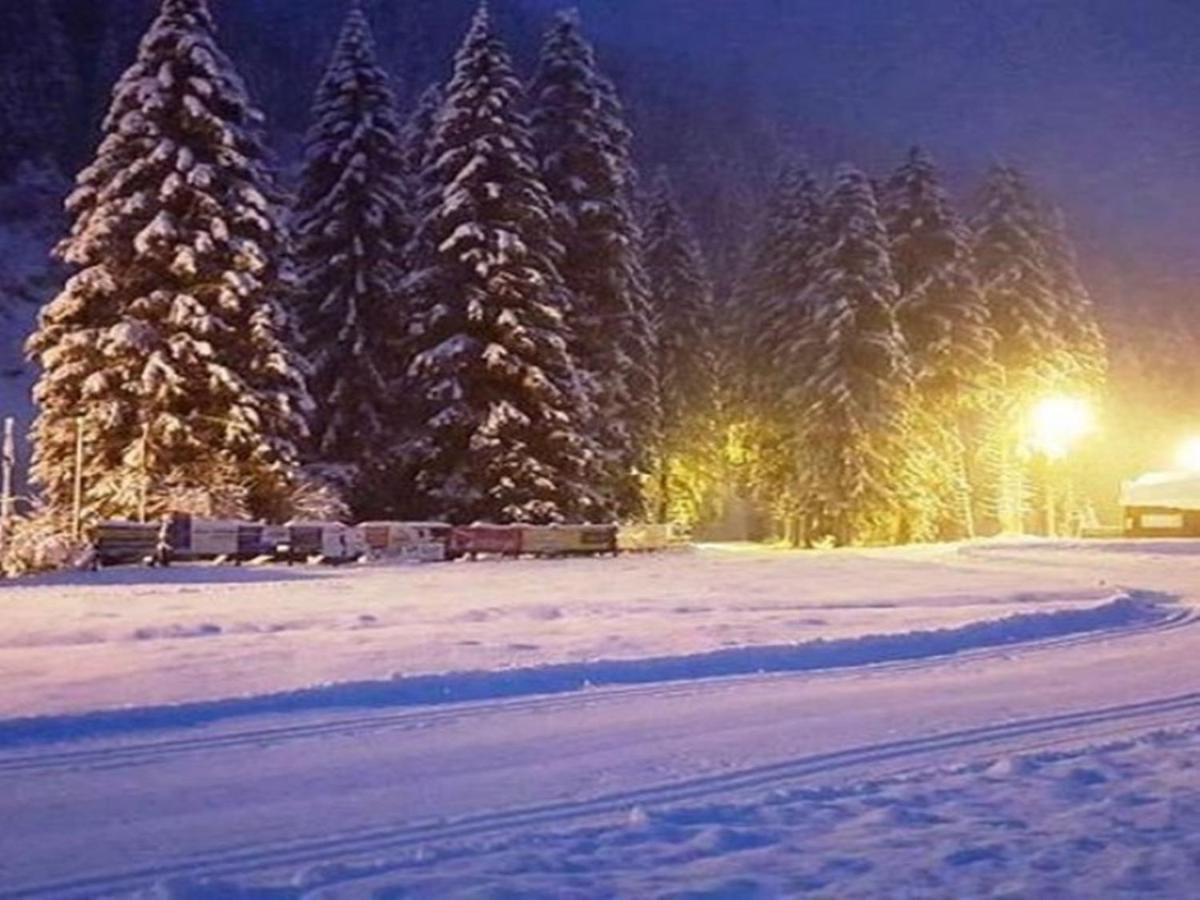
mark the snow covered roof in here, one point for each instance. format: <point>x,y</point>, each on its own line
<point>1174,490</point>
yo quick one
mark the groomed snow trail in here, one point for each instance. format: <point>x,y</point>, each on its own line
<point>352,802</point>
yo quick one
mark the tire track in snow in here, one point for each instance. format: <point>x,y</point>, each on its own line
<point>242,860</point>
<point>413,719</point>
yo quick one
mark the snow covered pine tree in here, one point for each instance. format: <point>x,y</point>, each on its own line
<point>350,229</point>
<point>1087,352</point>
<point>771,294</point>
<point>499,436</point>
<point>165,348</point>
<point>771,305</point>
<point>945,323</point>
<point>1018,285</point>
<point>584,149</point>
<point>682,300</point>
<point>1014,274</point>
<point>856,395</point>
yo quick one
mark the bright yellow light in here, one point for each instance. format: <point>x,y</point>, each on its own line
<point>1188,455</point>
<point>1058,422</point>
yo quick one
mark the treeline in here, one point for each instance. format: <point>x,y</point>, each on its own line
<point>892,352</point>
<point>478,310</point>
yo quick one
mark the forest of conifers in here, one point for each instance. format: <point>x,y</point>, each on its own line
<point>469,304</point>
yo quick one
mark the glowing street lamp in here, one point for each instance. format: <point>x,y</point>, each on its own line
<point>1187,457</point>
<point>1055,425</point>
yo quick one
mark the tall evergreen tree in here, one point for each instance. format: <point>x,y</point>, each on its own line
<point>941,309</point>
<point>946,325</point>
<point>1016,276</point>
<point>682,301</point>
<point>1016,279</point>
<point>350,231</point>
<point>165,349</point>
<point>584,151</point>
<point>498,437</point>
<point>771,311</point>
<point>773,292</point>
<point>856,397</point>
<point>1084,343</point>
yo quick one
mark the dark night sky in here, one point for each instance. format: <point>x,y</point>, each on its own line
<point>1098,99</point>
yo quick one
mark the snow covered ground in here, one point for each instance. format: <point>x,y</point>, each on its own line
<point>69,643</point>
<point>1119,819</point>
<point>1052,754</point>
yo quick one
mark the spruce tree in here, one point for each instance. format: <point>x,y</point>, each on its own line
<point>941,309</point>
<point>583,148</point>
<point>166,347</point>
<point>682,301</point>
<point>772,313</point>
<point>498,435</point>
<point>1086,350</point>
<point>773,291</point>
<point>856,397</point>
<point>1015,278</point>
<point>945,323</point>
<point>350,231</point>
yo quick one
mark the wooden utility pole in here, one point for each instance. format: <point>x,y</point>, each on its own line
<point>144,481</point>
<point>77,498</point>
<point>7,461</point>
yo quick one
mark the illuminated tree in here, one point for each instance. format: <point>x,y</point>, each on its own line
<point>1016,280</point>
<point>681,297</point>
<point>772,307</point>
<point>1086,362</point>
<point>166,348</point>
<point>856,397</point>
<point>946,325</point>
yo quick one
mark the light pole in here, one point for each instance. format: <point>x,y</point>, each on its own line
<point>1055,425</point>
<point>7,461</point>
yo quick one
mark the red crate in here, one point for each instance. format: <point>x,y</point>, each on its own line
<point>497,540</point>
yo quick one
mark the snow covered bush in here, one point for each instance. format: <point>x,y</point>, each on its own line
<point>318,494</point>
<point>40,542</point>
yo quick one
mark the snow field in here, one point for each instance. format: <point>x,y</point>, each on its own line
<point>1058,767</point>
<point>1118,819</point>
<point>136,637</point>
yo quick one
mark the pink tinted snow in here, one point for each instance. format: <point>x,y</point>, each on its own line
<point>141,637</point>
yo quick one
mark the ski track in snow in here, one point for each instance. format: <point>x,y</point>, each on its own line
<point>1042,632</point>
<point>240,860</point>
<point>1114,820</point>
<point>1054,758</point>
<point>1123,615</point>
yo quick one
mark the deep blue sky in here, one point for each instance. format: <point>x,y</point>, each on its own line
<point>1098,99</point>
